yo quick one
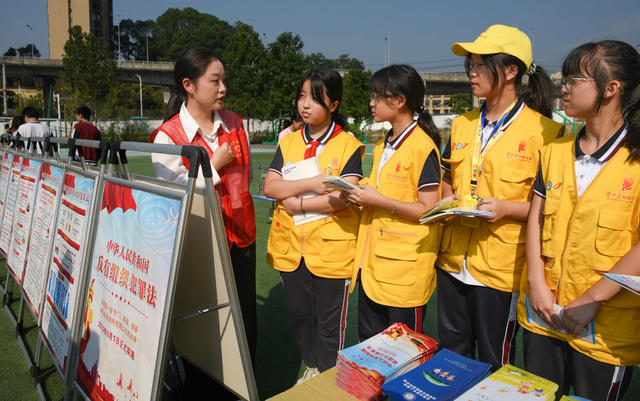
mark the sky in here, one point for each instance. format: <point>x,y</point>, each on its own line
<point>421,32</point>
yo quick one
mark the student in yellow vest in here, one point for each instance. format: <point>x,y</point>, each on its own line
<point>584,220</point>
<point>316,258</point>
<point>491,162</point>
<point>395,254</point>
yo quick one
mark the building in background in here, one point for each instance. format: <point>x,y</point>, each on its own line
<point>94,16</point>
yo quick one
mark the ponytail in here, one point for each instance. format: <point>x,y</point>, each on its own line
<point>425,121</point>
<point>339,119</point>
<point>173,106</point>
<point>539,92</point>
<point>632,141</point>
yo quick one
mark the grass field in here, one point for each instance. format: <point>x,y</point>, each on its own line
<point>278,361</point>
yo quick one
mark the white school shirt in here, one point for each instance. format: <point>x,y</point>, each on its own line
<point>171,167</point>
<point>34,129</point>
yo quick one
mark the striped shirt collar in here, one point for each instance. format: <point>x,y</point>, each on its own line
<point>606,151</point>
<point>322,138</point>
<point>517,108</point>
<point>395,144</point>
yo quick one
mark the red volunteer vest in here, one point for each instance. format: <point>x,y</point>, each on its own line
<point>233,190</point>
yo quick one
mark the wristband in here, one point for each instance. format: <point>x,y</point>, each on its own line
<point>393,209</point>
<point>301,209</point>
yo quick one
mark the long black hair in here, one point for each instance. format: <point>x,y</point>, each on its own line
<point>396,80</point>
<point>537,95</point>
<point>605,61</point>
<point>319,80</point>
<point>191,64</point>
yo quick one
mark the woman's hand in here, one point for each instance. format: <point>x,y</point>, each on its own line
<point>542,300</point>
<point>578,313</point>
<point>316,184</point>
<point>222,156</point>
<point>494,205</point>
<point>364,195</point>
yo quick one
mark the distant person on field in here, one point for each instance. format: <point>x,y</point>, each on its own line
<point>85,130</point>
<point>32,127</point>
<point>296,124</point>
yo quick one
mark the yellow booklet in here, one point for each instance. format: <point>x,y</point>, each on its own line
<point>339,183</point>
<point>444,209</point>
<point>510,383</point>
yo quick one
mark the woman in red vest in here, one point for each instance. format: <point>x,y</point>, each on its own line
<point>194,116</point>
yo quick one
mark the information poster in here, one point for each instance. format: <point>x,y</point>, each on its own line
<point>27,186</point>
<point>5,170</point>
<point>35,274</point>
<point>62,281</point>
<point>129,279</point>
<point>10,204</point>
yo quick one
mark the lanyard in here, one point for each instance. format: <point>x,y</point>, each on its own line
<point>480,151</point>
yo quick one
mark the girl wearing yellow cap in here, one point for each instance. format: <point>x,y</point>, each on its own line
<point>580,330</point>
<point>490,162</point>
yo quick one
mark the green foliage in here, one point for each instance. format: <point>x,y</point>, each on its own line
<point>88,72</point>
<point>343,62</point>
<point>24,51</point>
<point>355,98</point>
<point>177,30</point>
<point>244,64</point>
<point>123,101</point>
<point>21,101</point>
<point>127,131</point>
<point>133,39</point>
<point>460,103</point>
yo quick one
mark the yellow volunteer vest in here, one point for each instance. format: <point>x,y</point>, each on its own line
<point>328,244</point>
<point>496,252</point>
<point>395,256</point>
<point>591,232</point>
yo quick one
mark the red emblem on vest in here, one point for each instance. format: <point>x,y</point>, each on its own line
<point>522,146</point>
<point>398,168</point>
<point>627,184</point>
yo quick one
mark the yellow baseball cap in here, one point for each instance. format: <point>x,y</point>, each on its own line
<point>498,39</point>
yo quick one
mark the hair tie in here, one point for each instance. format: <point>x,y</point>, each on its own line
<point>532,68</point>
<point>421,109</point>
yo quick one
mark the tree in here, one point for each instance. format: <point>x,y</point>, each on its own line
<point>317,60</point>
<point>285,66</point>
<point>11,52</point>
<point>460,103</point>
<point>344,62</point>
<point>87,71</point>
<point>29,50</point>
<point>244,64</point>
<point>133,39</point>
<point>123,101</point>
<point>177,30</point>
<point>355,97</point>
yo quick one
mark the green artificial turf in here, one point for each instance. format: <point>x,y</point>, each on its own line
<point>278,363</point>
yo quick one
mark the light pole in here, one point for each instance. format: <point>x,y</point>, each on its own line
<point>147,46</point>
<point>119,52</point>
<point>29,26</point>
<point>140,78</point>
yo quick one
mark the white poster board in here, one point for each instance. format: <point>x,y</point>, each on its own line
<point>4,178</point>
<point>64,269</point>
<point>10,204</point>
<point>129,279</point>
<point>39,249</point>
<point>26,196</point>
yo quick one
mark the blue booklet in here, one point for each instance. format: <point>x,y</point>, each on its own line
<point>443,377</point>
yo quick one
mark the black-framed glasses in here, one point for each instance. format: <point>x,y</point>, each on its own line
<point>569,82</point>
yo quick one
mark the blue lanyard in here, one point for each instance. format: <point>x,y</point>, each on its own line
<point>497,126</point>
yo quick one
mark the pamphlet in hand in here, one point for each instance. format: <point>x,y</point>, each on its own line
<point>340,183</point>
<point>442,378</point>
<point>446,208</point>
<point>587,333</point>
<point>631,283</point>
<point>510,383</point>
<point>306,168</point>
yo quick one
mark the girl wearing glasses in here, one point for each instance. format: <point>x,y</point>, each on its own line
<point>491,162</point>
<point>315,257</point>
<point>395,254</point>
<point>581,331</point>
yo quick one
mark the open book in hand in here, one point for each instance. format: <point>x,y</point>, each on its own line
<point>444,209</point>
<point>339,183</point>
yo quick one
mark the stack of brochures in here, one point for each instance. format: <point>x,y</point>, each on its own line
<point>511,384</point>
<point>444,209</point>
<point>631,283</point>
<point>363,368</point>
<point>441,378</point>
<point>339,183</point>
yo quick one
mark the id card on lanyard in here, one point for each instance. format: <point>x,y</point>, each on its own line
<point>479,152</point>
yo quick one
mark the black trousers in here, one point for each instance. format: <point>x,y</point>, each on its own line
<point>318,311</point>
<point>374,318</point>
<point>557,361</point>
<point>243,261</point>
<point>478,318</point>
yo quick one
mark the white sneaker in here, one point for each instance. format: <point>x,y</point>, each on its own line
<point>308,374</point>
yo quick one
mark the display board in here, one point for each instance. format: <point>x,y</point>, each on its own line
<point>132,261</point>
<point>10,204</point>
<point>42,234</point>
<point>65,267</point>
<point>23,213</point>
